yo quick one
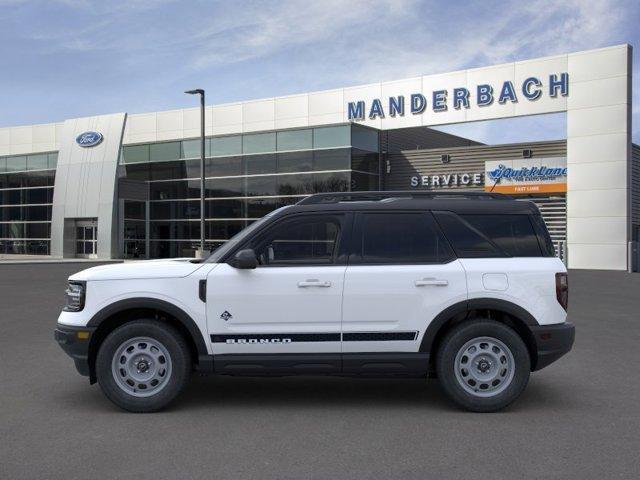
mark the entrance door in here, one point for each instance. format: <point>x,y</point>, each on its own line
<point>292,302</point>
<point>87,239</point>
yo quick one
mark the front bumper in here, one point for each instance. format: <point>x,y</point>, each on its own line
<point>552,342</point>
<point>75,343</point>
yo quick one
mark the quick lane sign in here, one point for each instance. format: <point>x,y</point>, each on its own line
<point>543,175</point>
<point>483,95</point>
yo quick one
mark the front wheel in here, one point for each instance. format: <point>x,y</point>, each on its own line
<point>483,365</point>
<point>143,365</point>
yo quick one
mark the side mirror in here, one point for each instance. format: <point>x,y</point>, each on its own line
<point>245,259</point>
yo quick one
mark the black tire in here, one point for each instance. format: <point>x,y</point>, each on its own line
<point>452,384</point>
<point>179,361</point>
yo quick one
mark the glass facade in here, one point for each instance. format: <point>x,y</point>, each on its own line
<point>26,196</point>
<point>247,176</point>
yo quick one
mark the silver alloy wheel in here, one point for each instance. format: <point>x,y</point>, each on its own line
<point>141,366</point>
<point>484,367</point>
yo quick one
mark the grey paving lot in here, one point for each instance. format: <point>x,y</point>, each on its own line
<point>579,418</point>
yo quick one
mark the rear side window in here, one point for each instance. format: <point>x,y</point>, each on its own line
<point>484,235</point>
<point>400,238</point>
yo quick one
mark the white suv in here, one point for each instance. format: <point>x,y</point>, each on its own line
<point>465,287</point>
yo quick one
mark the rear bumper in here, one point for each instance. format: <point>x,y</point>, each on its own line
<point>552,341</point>
<point>75,344</point>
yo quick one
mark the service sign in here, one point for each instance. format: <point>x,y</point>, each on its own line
<point>526,176</point>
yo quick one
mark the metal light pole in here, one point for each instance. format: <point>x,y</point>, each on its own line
<point>199,91</point>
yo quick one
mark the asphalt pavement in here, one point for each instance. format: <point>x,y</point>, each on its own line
<point>578,419</point>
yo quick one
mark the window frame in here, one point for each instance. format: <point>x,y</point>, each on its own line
<point>355,250</point>
<point>343,241</point>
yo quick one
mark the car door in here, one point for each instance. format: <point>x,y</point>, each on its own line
<point>290,303</point>
<point>401,274</point>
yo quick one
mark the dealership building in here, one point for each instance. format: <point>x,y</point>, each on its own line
<point>128,185</point>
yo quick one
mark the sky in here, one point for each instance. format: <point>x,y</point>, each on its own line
<point>71,58</point>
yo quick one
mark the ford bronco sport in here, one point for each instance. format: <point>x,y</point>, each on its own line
<point>465,287</point>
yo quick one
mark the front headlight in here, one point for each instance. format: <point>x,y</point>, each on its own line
<point>74,296</point>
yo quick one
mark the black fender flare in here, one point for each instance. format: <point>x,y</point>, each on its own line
<point>156,304</point>
<point>465,307</point>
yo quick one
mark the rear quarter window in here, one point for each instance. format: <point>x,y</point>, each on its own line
<point>490,235</point>
<point>546,244</point>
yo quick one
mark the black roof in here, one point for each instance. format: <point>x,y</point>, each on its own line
<point>458,202</point>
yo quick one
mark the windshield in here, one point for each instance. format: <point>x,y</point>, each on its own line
<point>240,237</point>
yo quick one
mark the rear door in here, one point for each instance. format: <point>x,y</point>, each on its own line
<point>401,274</point>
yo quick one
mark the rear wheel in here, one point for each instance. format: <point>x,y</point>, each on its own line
<point>483,365</point>
<point>143,365</point>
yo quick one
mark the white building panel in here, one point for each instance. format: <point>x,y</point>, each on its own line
<point>591,203</point>
<point>596,176</point>
<point>191,122</point>
<point>292,112</point>
<point>59,127</point>
<point>171,120</point>
<point>598,256</point>
<point>44,134</point>
<point>294,122</point>
<point>258,115</point>
<point>600,63</point>
<point>597,120</point>
<point>597,148</point>
<point>598,93</point>
<point>324,103</point>
<point>142,123</point>
<point>598,230</point>
<point>226,119</point>
<point>22,135</point>
<point>296,106</point>
<point>5,137</point>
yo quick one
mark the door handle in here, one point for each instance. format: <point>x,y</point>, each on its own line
<point>314,283</point>
<point>436,282</point>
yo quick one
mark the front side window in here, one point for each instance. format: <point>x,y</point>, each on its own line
<point>311,240</point>
<point>401,238</point>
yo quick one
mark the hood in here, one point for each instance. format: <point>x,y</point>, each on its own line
<point>144,269</point>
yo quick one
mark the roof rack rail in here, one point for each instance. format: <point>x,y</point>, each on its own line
<point>319,198</point>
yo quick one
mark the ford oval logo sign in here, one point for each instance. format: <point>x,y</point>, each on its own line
<point>89,139</point>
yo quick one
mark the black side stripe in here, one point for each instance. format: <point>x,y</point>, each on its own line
<point>378,336</point>
<point>315,337</point>
<point>288,337</point>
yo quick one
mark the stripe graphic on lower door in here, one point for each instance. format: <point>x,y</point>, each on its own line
<point>276,338</point>
<point>262,338</point>
<point>378,336</point>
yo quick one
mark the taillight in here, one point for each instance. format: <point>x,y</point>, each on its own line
<point>562,289</point>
